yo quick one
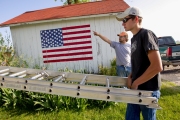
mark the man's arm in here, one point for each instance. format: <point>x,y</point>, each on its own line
<point>102,37</point>
<point>154,68</point>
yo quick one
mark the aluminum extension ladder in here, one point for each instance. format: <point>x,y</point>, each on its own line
<point>90,86</point>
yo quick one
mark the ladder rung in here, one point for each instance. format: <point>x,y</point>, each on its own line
<point>17,74</point>
<point>5,70</point>
<point>22,76</point>
<point>58,79</point>
<point>83,80</point>
<point>107,82</point>
<point>41,78</point>
<point>4,74</point>
<point>36,76</point>
<point>44,73</point>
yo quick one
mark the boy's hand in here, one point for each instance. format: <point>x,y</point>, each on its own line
<point>134,86</point>
<point>129,82</point>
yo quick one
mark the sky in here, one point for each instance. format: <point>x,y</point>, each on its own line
<point>160,16</point>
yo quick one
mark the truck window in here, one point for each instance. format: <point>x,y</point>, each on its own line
<point>161,42</point>
<point>166,41</point>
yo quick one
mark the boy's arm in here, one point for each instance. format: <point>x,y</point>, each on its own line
<point>154,68</point>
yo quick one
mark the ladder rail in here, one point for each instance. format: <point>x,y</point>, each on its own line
<point>90,86</point>
<point>81,94</point>
<point>14,81</point>
<point>74,77</point>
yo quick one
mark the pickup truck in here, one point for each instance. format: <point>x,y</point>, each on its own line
<point>169,51</point>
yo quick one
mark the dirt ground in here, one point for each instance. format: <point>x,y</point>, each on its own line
<point>171,74</point>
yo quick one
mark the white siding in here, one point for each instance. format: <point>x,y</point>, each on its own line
<point>27,42</point>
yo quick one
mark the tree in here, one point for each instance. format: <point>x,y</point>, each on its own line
<point>6,50</point>
<point>69,2</point>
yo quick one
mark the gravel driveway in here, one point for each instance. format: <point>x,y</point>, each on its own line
<point>171,74</point>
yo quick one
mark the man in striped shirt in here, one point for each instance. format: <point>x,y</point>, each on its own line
<point>123,53</point>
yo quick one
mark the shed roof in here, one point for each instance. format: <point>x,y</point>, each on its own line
<point>69,11</point>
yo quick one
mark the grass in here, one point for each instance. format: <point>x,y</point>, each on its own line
<point>111,113</point>
<point>169,101</point>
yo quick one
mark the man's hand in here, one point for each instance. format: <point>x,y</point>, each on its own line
<point>102,37</point>
<point>95,33</point>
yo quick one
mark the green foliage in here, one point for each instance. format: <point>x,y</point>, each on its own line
<point>81,103</point>
<point>100,104</point>
<point>17,62</point>
<point>36,67</point>
<point>12,98</point>
<point>108,71</point>
<point>83,71</point>
<point>65,70</point>
<point>1,101</point>
<point>45,102</point>
<point>40,101</point>
<point>7,54</point>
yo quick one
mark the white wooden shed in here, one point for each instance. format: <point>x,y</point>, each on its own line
<point>27,32</point>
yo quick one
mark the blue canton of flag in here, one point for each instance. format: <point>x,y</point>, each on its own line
<point>51,38</point>
<point>72,43</point>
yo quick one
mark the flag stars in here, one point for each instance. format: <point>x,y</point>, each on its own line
<point>51,38</point>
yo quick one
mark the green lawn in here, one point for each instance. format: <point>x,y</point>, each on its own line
<point>169,101</point>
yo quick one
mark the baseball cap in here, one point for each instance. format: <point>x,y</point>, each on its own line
<point>129,11</point>
<point>122,34</point>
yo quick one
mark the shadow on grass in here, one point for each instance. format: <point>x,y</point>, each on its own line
<point>17,112</point>
<point>169,88</point>
<point>97,105</point>
<point>170,91</point>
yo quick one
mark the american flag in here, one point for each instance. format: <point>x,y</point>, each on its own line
<point>66,44</point>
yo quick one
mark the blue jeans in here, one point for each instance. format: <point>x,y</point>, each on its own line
<point>123,71</point>
<point>133,110</point>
